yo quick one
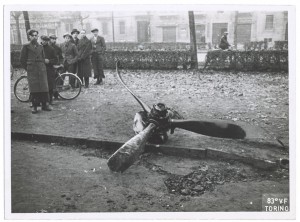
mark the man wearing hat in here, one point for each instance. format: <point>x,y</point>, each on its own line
<point>75,34</point>
<point>84,58</point>
<point>51,59</point>
<point>224,43</point>
<point>33,61</point>
<point>98,49</point>
<point>70,54</point>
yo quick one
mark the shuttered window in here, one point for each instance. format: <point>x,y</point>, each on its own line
<point>104,28</point>
<point>122,27</point>
<point>169,34</point>
<point>269,22</point>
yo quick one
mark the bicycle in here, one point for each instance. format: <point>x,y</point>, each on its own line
<point>68,85</point>
<point>218,58</point>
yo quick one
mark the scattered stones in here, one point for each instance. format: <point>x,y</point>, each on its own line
<point>198,188</point>
<point>203,179</point>
<point>185,192</point>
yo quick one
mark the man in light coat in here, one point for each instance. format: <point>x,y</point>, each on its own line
<point>70,54</point>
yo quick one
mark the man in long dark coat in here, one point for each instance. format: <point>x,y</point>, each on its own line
<point>75,40</point>
<point>32,59</point>
<point>51,60</point>
<point>84,58</point>
<point>98,49</point>
<point>70,54</point>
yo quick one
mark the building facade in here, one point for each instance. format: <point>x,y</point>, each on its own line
<point>161,26</point>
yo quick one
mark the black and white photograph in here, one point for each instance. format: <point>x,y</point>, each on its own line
<point>118,111</point>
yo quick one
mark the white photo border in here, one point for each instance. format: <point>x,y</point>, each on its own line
<point>142,215</point>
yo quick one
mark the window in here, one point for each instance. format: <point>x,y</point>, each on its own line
<point>104,28</point>
<point>183,33</point>
<point>200,33</point>
<point>267,39</point>
<point>122,27</point>
<point>69,27</point>
<point>269,22</point>
<point>169,34</point>
<point>169,17</point>
<point>14,37</point>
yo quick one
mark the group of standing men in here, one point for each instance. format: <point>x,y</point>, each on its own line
<point>76,54</point>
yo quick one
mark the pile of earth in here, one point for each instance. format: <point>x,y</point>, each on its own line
<point>206,179</point>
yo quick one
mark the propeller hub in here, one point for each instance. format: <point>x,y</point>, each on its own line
<point>159,116</point>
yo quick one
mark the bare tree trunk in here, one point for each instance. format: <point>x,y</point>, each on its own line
<point>113,26</point>
<point>16,16</point>
<point>27,23</point>
<point>19,42</point>
<point>235,29</point>
<point>81,23</point>
<point>81,18</point>
<point>193,43</point>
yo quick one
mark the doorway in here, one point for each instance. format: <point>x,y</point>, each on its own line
<point>143,34</point>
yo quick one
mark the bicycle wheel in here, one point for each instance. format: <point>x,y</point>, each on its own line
<point>68,86</point>
<point>21,89</point>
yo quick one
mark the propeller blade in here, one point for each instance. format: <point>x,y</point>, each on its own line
<point>145,107</point>
<point>210,128</point>
<point>125,156</point>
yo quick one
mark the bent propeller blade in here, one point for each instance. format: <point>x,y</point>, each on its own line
<point>219,129</point>
<point>125,156</point>
<point>145,107</point>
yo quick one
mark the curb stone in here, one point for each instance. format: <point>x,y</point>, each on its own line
<point>195,153</point>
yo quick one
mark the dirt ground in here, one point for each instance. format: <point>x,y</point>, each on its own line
<point>50,178</point>
<point>53,178</point>
<point>106,112</point>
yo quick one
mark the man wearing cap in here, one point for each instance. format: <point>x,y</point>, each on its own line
<point>75,34</point>
<point>70,54</point>
<point>57,49</point>
<point>84,58</point>
<point>59,56</point>
<point>75,40</point>
<point>224,43</point>
<point>51,60</point>
<point>33,61</point>
<point>98,49</point>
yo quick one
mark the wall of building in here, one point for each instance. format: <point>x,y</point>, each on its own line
<point>161,20</point>
<point>46,22</point>
<point>277,33</point>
